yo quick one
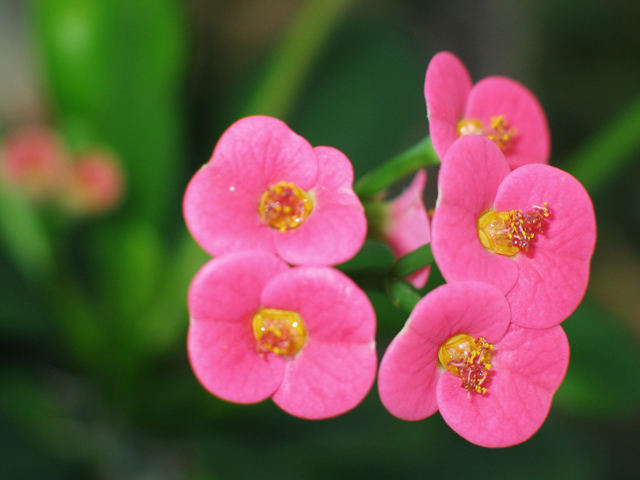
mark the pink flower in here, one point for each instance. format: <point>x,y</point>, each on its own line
<point>303,336</point>
<point>266,188</point>
<point>407,226</point>
<point>492,383</point>
<point>35,161</point>
<point>530,232</point>
<point>95,183</point>
<point>496,107</point>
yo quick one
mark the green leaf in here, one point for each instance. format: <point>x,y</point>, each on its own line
<point>24,235</point>
<point>166,320</point>
<point>290,62</point>
<point>115,67</point>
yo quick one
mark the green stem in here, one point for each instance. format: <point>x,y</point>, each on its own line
<point>291,61</point>
<point>412,262</point>
<point>596,163</point>
<point>421,155</point>
<point>402,294</point>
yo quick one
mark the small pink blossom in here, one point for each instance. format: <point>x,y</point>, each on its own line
<point>335,365</point>
<point>516,379</point>
<point>95,183</point>
<point>266,188</point>
<point>497,107</point>
<point>35,161</point>
<point>544,283</point>
<point>408,226</point>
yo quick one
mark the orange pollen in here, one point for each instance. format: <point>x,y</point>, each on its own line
<point>285,206</point>
<point>279,331</point>
<point>498,131</point>
<point>507,233</point>
<point>469,359</point>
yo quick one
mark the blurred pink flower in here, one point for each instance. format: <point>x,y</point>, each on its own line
<point>492,383</point>
<point>499,108</point>
<point>407,226</point>
<point>530,232</point>
<point>304,336</point>
<point>95,183</point>
<point>266,188</point>
<point>34,161</point>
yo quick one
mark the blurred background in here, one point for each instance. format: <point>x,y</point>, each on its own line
<point>94,378</point>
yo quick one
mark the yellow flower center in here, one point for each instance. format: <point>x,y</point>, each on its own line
<point>507,233</point>
<point>279,331</point>
<point>469,125</point>
<point>467,358</point>
<point>498,131</point>
<point>285,206</point>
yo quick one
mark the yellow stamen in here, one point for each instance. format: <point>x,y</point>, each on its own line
<point>285,206</point>
<point>279,331</point>
<point>467,358</point>
<point>469,125</point>
<point>507,233</point>
<point>498,131</point>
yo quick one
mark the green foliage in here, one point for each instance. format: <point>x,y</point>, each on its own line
<point>116,68</point>
<point>604,372</point>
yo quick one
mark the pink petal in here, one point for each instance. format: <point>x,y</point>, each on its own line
<point>221,201</point>
<point>408,225</point>
<point>496,96</point>
<point>336,228</point>
<point>409,369</point>
<point>333,307</point>
<point>446,88</point>
<point>224,359</point>
<point>527,368</point>
<point>554,273</point>
<point>468,181</point>
<point>327,379</point>
<point>223,298</point>
<point>337,364</point>
<point>229,287</point>
<point>408,375</point>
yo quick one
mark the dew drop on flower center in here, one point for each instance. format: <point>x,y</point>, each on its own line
<point>498,131</point>
<point>507,233</point>
<point>285,206</point>
<point>279,331</point>
<point>467,358</point>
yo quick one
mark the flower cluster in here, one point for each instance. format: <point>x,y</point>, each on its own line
<point>35,163</point>
<point>512,236</point>
<point>303,335</point>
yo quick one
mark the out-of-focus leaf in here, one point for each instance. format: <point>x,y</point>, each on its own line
<point>115,66</point>
<point>364,96</point>
<point>604,371</point>
<point>24,235</point>
<point>289,64</point>
<point>166,320</point>
<point>130,263</point>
